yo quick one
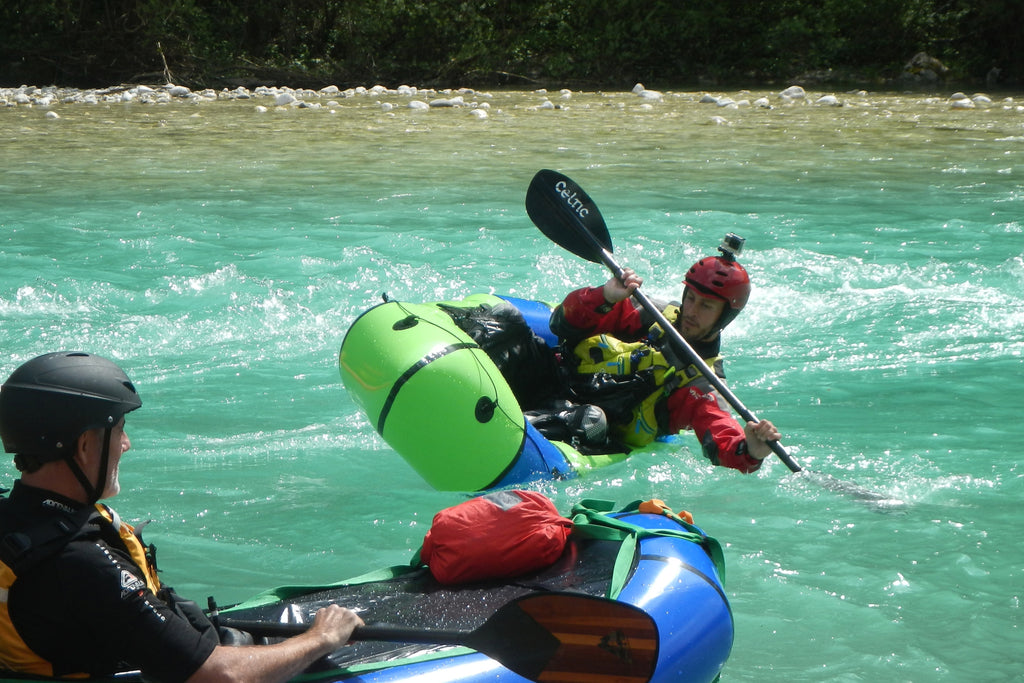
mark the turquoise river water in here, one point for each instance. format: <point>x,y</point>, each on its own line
<point>219,253</point>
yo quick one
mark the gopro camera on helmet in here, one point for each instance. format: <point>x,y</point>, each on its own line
<point>731,247</point>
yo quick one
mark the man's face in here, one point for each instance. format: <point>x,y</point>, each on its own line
<point>92,450</point>
<point>698,315</point>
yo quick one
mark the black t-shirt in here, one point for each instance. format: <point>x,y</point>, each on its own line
<point>87,609</point>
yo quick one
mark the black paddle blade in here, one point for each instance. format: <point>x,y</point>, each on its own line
<point>568,637</point>
<point>567,215</point>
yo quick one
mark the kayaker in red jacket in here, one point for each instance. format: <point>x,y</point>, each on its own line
<point>611,339</point>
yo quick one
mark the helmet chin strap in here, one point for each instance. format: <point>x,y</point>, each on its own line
<point>94,492</point>
<point>710,336</point>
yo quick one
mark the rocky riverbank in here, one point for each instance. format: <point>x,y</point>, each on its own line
<point>265,97</point>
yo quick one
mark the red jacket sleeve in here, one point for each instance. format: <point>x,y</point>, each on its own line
<point>586,311</point>
<point>720,435</point>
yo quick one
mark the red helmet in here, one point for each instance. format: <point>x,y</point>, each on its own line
<point>723,278</point>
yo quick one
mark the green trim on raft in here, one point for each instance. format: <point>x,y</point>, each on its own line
<point>582,463</point>
<point>356,669</point>
<point>281,593</point>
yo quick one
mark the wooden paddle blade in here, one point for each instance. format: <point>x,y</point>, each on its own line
<point>569,638</point>
<point>567,215</point>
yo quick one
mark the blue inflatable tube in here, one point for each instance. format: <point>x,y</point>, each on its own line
<point>537,315</point>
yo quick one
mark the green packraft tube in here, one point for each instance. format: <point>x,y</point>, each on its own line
<point>437,398</point>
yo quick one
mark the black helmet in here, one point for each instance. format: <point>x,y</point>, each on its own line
<point>50,400</point>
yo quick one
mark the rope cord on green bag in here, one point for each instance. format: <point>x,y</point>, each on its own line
<point>591,520</point>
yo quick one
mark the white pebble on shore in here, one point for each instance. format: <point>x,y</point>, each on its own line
<point>650,95</point>
<point>457,101</point>
<point>959,100</point>
<point>794,92</point>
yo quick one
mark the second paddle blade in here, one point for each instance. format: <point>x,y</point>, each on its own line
<point>564,637</point>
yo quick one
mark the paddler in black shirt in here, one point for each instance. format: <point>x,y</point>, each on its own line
<point>79,592</point>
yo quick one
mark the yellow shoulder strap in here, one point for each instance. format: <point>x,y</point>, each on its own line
<point>135,548</point>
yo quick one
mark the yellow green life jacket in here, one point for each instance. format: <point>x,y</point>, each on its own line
<point>630,379</point>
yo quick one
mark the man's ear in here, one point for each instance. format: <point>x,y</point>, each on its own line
<point>85,446</point>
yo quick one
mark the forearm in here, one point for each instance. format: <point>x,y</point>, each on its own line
<point>734,454</point>
<point>262,663</point>
<point>585,312</point>
<point>332,627</point>
<point>722,439</point>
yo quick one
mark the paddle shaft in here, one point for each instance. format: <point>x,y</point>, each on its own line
<point>385,632</point>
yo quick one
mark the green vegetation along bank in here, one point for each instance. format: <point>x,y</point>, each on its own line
<point>514,43</point>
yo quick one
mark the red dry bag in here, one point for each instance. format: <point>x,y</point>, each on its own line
<point>495,536</point>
